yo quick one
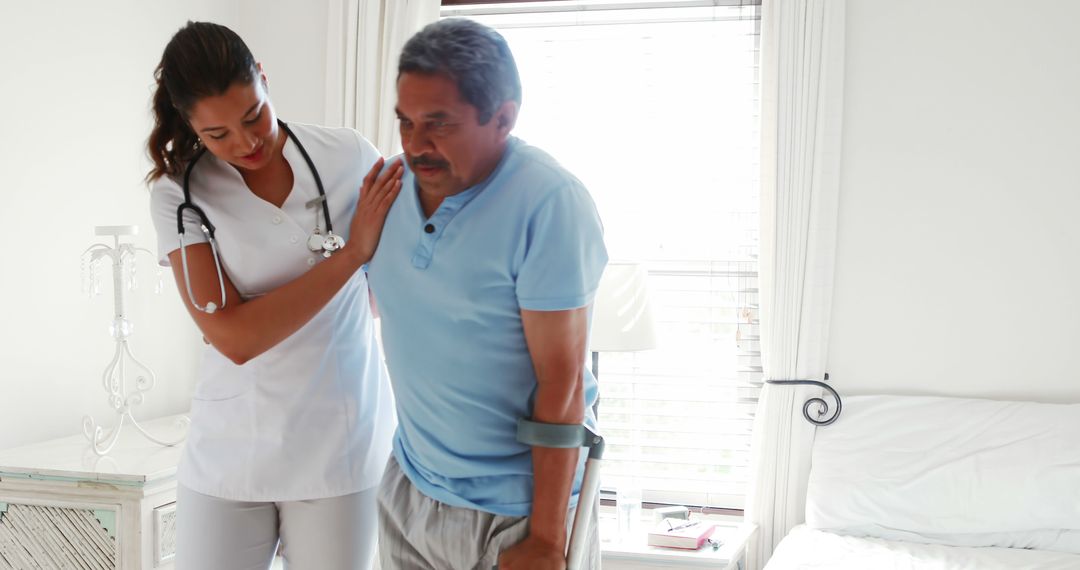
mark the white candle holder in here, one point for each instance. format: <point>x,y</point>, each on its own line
<point>115,377</point>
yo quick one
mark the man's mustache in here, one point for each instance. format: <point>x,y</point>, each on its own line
<point>426,162</point>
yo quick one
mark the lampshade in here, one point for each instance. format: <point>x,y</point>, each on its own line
<point>622,320</point>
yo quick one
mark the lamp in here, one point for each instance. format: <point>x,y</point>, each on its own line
<point>123,398</point>
<point>622,320</point>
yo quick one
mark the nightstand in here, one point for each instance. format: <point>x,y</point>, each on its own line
<point>635,554</point>
<point>62,506</point>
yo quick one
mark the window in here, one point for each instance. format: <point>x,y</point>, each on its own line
<point>654,106</point>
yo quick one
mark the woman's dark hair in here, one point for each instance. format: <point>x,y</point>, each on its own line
<point>201,60</point>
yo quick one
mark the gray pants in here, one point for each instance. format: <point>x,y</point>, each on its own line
<point>419,533</point>
<point>337,533</point>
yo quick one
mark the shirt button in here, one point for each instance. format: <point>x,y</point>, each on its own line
<point>277,220</point>
<point>429,229</point>
<point>294,239</point>
<point>311,261</point>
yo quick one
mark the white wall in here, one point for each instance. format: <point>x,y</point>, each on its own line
<point>289,38</point>
<point>958,267</point>
<point>75,86</point>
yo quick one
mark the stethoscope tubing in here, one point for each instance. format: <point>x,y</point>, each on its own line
<point>208,228</point>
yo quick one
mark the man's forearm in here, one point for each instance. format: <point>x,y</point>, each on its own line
<point>557,345</point>
<point>553,469</point>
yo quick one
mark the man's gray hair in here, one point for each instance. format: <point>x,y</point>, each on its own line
<point>474,56</point>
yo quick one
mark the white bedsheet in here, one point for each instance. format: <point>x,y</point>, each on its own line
<point>805,548</point>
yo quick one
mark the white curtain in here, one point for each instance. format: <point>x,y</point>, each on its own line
<point>364,41</point>
<point>802,47</point>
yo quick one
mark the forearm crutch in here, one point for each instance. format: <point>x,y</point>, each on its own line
<point>569,436</point>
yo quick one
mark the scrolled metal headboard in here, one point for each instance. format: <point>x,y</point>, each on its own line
<point>823,406</point>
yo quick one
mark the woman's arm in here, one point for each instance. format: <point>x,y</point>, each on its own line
<point>243,330</point>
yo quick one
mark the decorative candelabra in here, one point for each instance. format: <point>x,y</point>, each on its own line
<point>115,378</point>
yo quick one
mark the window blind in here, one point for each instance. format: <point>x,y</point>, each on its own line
<point>654,106</point>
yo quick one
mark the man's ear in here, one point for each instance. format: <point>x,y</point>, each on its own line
<point>506,117</point>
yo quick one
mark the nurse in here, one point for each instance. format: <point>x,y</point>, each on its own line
<point>292,418</point>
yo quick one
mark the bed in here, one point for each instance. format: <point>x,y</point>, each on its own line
<point>909,482</point>
<point>807,548</point>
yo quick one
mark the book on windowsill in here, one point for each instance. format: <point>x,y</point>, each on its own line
<point>681,533</point>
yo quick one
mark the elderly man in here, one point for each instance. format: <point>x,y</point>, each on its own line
<point>484,276</point>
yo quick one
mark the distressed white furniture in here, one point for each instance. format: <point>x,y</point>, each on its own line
<point>63,506</point>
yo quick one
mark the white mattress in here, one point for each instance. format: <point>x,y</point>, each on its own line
<point>805,548</point>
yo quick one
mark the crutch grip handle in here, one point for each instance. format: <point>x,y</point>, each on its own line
<point>569,436</point>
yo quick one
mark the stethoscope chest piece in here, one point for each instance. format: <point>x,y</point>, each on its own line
<point>327,244</point>
<point>315,242</point>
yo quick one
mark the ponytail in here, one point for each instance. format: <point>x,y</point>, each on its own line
<point>172,143</point>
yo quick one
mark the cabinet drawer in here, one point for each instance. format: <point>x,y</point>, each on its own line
<point>164,534</point>
<point>56,536</point>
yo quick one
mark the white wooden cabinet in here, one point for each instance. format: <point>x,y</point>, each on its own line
<point>62,506</point>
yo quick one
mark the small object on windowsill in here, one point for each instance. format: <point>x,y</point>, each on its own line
<point>677,512</point>
<point>680,533</point>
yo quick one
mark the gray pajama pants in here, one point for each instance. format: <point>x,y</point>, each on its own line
<point>337,533</point>
<point>420,533</point>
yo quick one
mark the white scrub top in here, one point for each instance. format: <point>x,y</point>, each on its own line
<point>312,417</point>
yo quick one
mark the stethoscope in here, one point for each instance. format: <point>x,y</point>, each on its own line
<point>327,244</point>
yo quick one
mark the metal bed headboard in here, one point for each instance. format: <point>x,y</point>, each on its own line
<point>823,418</point>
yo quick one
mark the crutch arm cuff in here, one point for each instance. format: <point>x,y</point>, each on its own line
<point>539,434</point>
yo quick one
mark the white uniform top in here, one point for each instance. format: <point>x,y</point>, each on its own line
<point>312,417</point>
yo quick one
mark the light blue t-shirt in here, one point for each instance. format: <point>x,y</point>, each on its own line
<point>450,289</point>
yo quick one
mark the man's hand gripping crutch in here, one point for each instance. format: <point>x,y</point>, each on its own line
<point>568,436</point>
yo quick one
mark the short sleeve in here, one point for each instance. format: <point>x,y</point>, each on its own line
<point>564,253</point>
<point>166,195</point>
